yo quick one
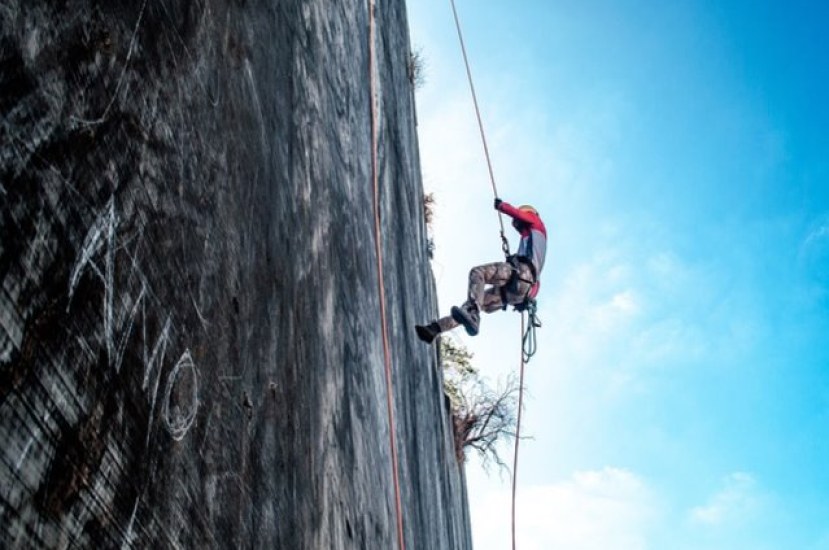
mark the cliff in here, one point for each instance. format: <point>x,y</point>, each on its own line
<point>190,338</point>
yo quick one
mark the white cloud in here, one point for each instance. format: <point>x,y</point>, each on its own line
<point>818,234</point>
<point>668,271</point>
<point>816,243</point>
<point>737,500</point>
<point>814,255</point>
<point>625,302</point>
<point>595,313</point>
<point>666,340</point>
<point>592,510</point>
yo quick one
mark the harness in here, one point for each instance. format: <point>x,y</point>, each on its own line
<point>515,261</point>
<point>528,304</point>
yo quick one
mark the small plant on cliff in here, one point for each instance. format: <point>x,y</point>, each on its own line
<point>457,370</point>
<point>429,209</point>
<point>482,417</point>
<point>429,216</point>
<point>415,68</point>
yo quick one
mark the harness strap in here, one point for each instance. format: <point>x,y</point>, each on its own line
<point>515,260</point>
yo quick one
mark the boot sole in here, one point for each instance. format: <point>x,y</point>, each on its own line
<point>461,317</point>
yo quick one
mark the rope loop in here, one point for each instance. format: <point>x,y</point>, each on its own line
<point>529,343</point>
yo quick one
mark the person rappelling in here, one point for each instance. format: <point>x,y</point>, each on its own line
<point>512,282</point>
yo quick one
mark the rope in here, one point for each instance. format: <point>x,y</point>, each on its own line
<point>528,349</point>
<point>528,337</point>
<point>518,429</point>
<point>529,343</point>
<point>381,283</point>
<point>504,241</point>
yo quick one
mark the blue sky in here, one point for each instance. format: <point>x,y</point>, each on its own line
<point>678,153</point>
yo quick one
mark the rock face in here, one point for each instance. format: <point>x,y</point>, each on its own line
<point>190,336</point>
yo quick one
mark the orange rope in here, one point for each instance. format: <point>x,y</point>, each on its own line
<point>517,434</point>
<point>504,242</point>
<point>381,283</point>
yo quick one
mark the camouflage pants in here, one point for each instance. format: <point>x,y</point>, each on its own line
<point>497,274</point>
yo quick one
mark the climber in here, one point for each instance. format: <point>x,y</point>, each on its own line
<point>513,281</point>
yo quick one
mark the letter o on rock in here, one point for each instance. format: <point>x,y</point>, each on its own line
<point>178,417</point>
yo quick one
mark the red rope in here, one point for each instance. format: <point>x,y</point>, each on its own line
<point>517,433</point>
<point>381,284</point>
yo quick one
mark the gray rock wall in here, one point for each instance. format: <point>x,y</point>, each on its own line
<point>190,340</point>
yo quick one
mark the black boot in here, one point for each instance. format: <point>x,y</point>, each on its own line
<point>467,315</point>
<point>427,333</point>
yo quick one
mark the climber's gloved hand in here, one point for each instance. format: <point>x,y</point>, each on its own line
<point>498,203</point>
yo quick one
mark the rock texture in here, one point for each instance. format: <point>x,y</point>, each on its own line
<point>190,340</point>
